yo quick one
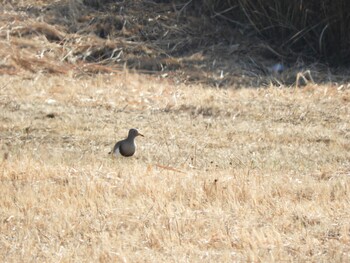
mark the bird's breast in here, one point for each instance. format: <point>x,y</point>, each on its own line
<point>127,149</point>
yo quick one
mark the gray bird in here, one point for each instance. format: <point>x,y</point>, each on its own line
<point>127,146</point>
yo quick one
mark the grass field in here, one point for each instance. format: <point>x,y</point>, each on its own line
<point>222,175</point>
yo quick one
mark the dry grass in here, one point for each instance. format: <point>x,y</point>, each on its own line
<point>67,36</point>
<point>258,175</point>
<point>222,175</point>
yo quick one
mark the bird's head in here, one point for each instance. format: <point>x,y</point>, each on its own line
<point>134,133</point>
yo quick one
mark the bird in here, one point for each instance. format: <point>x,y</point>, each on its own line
<point>126,147</point>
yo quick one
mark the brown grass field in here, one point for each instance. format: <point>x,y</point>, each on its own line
<point>257,175</point>
<point>222,174</point>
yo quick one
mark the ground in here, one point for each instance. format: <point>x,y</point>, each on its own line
<point>222,174</point>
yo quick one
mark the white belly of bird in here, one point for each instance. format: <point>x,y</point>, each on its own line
<point>117,152</point>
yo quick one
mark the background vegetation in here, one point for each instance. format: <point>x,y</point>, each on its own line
<point>312,29</point>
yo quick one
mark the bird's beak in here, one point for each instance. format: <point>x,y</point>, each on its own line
<point>139,134</point>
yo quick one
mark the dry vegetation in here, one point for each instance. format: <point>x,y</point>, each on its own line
<point>222,175</point>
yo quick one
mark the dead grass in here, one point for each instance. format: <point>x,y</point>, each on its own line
<point>64,37</point>
<point>222,175</point>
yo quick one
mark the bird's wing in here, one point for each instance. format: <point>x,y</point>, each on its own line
<point>116,148</point>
